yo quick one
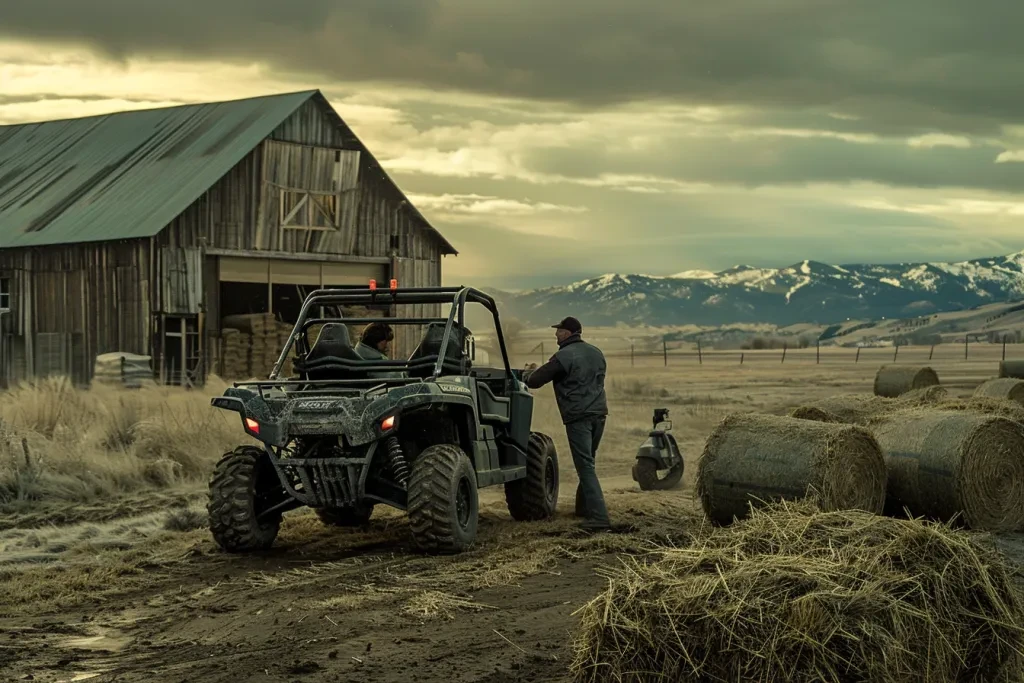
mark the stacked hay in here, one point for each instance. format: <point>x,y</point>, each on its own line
<point>261,329</point>
<point>235,346</point>
<point>793,594</point>
<point>122,368</point>
<point>893,380</point>
<point>945,465</point>
<point>750,459</point>
<point>1005,388</point>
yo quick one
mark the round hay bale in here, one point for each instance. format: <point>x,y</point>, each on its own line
<point>753,458</point>
<point>1013,369</point>
<point>945,465</point>
<point>813,413</point>
<point>863,409</point>
<point>985,406</point>
<point>807,596</point>
<point>1005,388</point>
<point>894,380</point>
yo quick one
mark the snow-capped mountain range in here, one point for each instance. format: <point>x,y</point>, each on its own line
<point>807,292</point>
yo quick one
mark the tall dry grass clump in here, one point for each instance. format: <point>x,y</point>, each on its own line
<point>62,443</point>
<point>795,594</point>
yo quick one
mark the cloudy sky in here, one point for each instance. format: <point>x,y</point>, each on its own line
<point>552,141</point>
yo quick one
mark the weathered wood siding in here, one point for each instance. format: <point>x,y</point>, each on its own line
<point>73,302</point>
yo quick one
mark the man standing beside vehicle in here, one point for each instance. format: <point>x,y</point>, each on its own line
<point>373,345</point>
<point>577,371</point>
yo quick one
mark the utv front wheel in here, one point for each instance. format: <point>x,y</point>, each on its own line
<point>345,517</point>
<point>443,506</point>
<point>243,485</point>
<point>535,497</point>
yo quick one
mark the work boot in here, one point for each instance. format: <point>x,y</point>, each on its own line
<point>595,526</point>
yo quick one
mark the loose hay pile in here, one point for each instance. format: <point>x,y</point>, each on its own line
<point>750,458</point>
<point>943,464</point>
<point>1004,388</point>
<point>793,594</point>
<point>894,380</point>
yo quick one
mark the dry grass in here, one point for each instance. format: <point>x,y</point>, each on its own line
<point>58,443</point>
<point>793,594</point>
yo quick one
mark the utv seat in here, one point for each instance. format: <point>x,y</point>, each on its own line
<point>332,342</point>
<point>430,347</point>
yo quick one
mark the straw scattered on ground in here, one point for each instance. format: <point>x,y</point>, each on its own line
<point>754,458</point>
<point>794,594</point>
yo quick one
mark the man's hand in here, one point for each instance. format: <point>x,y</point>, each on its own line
<point>529,367</point>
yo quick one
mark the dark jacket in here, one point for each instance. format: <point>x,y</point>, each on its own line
<point>577,370</point>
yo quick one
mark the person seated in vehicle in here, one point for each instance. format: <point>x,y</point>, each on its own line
<point>373,345</point>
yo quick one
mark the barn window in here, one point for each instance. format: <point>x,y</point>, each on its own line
<point>5,293</point>
<point>309,210</point>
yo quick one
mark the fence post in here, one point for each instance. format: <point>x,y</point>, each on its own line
<point>741,358</point>
<point>966,342</point>
<point>932,352</point>
<point>664,350</point>
<point>896,352</point>
<point>1004,348</point>
<point>784,347</point>
<point>700,356</point>
<point>632,363</point>
<point>817,352</point>
<point>857,357</point>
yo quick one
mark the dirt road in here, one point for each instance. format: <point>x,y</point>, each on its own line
<point>329,605</point>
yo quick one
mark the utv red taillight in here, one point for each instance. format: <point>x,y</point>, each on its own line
<point>387,423</point>
<point>252,425</point>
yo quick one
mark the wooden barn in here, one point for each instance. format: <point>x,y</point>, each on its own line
<point>141,231</point>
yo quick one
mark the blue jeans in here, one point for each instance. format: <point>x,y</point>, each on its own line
<point>584,438</point>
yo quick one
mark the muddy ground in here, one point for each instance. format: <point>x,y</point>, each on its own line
<point>323,605</point>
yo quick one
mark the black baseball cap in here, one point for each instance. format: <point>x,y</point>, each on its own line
<point>569,323</point>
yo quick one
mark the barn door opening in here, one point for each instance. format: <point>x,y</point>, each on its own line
<point>180,358</point>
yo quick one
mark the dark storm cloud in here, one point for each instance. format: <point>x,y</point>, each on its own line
<point>768,160</point>
<point>918,64</point>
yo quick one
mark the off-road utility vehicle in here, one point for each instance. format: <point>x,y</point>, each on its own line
<point>421,435</point>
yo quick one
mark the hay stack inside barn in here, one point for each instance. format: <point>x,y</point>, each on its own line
<point>894,380</point>
<point>792,594</point>
<point>944,464</point>
<point>752,458</point>
<point>1005,388</point>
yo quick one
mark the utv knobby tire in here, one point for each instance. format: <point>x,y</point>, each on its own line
<point>535,497</point>
<point>645,472</point>
<point>441,475</point>
<point>237,479</point>
<point>345,517</point>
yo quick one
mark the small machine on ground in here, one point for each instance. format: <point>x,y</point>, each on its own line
<point>659,462</point>
<point>421,435</point>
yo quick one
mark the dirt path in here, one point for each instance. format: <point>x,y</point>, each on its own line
<point>329,605</point>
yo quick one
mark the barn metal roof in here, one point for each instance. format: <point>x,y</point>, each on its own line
<point>129,174</point>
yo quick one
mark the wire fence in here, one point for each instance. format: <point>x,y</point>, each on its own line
<point>668,354</point>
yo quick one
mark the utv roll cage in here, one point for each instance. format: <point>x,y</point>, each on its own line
<point>368,296</point>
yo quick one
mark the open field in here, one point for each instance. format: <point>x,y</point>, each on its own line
<point>107,574</point>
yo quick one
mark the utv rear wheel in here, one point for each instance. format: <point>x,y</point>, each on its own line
<point>645,473</point>
<point>443,505</point>
<point>535,497</point>
<point>243,485</point>
<point>345,517</point>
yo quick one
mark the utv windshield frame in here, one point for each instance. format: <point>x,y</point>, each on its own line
<point>367,296</point>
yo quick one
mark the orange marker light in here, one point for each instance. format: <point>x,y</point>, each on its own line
<point>252,425</point>
<point>387,423</point>
<point>373,285</point>
<point>394,284</point>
